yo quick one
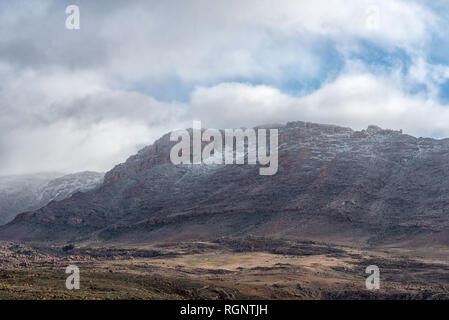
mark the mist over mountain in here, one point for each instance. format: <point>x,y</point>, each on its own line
<point>29,192</point>
<point>333,183</point>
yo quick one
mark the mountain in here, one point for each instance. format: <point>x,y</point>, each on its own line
<point>18,193</point>
<point>333,183</point>
<point>29,192</point>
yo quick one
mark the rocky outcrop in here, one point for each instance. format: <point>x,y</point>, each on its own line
<point>332,183</point>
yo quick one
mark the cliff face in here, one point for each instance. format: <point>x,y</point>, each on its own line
<point>332,183</point>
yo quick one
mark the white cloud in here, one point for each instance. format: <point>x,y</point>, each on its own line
<point>68,100</point>
<point>212,41</point>
<point>67,122</point>
<point>398,23</point>
<point>355,100</point>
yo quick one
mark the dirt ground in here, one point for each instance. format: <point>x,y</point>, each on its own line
<point>249,268</point>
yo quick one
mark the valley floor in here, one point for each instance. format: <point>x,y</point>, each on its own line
<point>249,268</point>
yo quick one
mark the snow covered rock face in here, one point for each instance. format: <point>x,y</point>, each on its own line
<point>63,187</point>
<point>29,192</point>
<point>332,183</point>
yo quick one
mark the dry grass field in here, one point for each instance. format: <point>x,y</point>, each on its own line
<point>250,268</point>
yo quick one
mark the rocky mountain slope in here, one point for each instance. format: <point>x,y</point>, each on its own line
<point>30,192</point>
<point>333,183</point>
